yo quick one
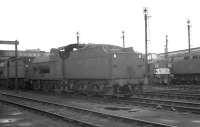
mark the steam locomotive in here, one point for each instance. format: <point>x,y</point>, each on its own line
<point>182,70</point>
<point>186,70</point>
<point>81,68</point>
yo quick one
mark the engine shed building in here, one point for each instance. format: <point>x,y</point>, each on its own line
<point>181,54</point>
<point>5,54</point>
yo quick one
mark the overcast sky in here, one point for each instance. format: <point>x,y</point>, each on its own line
<point>48,24</point>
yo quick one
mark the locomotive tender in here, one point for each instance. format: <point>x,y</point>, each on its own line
<point>8,71</point>
<point>85,68</point>
<point>186,70</point>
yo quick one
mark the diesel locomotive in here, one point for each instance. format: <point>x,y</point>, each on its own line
<point>82,68</point>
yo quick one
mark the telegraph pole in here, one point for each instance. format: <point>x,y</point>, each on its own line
<point>77,37</point>
<point>16,64</point>
<point>166,51</point>
<point>166,47</point>
<point>146,52</point>
<point>188,26</point>
<point>123,37</point>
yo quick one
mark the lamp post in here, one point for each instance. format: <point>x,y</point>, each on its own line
<point>77,37</point>
<point>146,52</point>
<point>188,26</point>
<point>123,39</point>
<point>166,47</point>
<point>16,65</point>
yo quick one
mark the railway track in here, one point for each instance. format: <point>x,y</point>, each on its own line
<point>81,116</point>
<point>165,104</point>
<point>181,87</point>
<point>172,95</point>
<point>76,122</point>
<point>171,105</point>
<point>181,91</point>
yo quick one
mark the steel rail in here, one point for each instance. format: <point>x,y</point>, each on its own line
<point>171,95</point>
<point>126,119</point>
<point>52,114</point>
<point>164,104</point>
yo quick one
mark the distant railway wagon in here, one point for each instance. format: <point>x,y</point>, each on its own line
<point>86,68</point>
